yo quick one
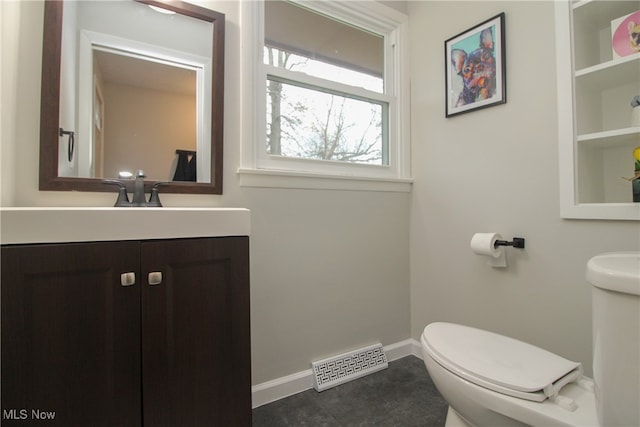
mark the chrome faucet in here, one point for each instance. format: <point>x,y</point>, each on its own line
<point>138,193</point>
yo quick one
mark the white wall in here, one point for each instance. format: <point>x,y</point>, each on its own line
<point>330,273</point>
<point>329,269</point>
<point>497,170</point>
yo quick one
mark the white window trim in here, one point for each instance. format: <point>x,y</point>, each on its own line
<point>257,169</point>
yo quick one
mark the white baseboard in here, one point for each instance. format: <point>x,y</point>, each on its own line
<point>277,389</point>
<point>280,388</point>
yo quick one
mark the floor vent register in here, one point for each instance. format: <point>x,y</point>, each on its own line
<point>346,367</point>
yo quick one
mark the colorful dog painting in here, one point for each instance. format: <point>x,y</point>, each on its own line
<point>477,70</point>
<point>475,67</point>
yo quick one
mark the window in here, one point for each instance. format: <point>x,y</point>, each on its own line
<point>328,92</point>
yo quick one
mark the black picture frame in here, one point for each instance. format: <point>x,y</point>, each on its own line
<point>475,68</point>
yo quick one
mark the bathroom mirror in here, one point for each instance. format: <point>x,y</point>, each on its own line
<point>86,68</point>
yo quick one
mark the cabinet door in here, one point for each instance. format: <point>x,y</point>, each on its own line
<point>195,333</point>
<point>70,335</point>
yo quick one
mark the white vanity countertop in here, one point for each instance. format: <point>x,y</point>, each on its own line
<point>49,225</point>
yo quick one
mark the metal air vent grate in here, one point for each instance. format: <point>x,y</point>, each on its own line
<point>345,367</point>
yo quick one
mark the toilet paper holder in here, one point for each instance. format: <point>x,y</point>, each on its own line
<point>518,242</point>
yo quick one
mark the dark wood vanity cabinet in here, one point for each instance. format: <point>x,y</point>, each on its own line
<point>83,346</point>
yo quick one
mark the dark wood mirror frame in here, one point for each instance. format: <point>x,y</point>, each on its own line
<point>50,105</point>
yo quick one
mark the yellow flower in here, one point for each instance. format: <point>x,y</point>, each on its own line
<point>636,153</point>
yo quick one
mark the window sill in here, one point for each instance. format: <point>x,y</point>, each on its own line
<point>268,178</point>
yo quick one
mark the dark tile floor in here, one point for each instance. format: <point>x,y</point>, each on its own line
<point>402,395</point>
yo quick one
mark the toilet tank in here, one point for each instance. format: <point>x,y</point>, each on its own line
<point>615,278</point>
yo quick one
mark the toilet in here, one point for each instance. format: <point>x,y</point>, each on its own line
<point>493,380</point>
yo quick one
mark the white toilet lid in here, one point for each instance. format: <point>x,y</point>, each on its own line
<point>494,361</point>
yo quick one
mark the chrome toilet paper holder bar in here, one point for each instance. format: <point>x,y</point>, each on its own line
<point>518,242</point>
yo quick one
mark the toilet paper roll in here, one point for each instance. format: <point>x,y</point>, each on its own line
<point>484,244</point>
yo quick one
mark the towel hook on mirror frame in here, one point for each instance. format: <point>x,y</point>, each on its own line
<point>70,143</point>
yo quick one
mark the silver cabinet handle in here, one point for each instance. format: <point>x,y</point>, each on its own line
<point>155,277</point>
<point>128,279</point>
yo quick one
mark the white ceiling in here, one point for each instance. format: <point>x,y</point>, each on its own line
<point>138,72</point>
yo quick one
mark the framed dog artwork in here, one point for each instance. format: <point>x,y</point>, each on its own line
<point>475,72</point>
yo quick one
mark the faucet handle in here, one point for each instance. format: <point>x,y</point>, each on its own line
<point>154,198</point>
<point>123,199</point>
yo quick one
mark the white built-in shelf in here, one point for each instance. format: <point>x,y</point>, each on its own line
<point>611,138</point>
<point>598,13</point>
<point>596,130</point>
<point>610,73</point>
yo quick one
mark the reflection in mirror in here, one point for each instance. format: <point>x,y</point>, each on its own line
<point>142,112</point>
<point>135,95</point>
